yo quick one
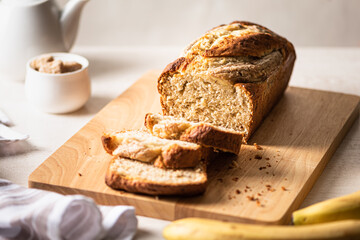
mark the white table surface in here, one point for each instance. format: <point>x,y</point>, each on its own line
<point>114,69</point>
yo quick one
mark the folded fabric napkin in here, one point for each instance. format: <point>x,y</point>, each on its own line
<point>36,214</point>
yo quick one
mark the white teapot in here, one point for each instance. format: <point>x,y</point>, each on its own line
<point>32,27</point>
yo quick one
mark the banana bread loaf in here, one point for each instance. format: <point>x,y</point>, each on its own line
<point>231,77</point>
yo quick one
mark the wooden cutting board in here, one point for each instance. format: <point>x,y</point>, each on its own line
<point>263,185</point>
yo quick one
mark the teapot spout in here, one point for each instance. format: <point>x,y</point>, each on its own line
<point>69,21</point>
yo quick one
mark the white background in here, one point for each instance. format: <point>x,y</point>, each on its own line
<point>330,23</point>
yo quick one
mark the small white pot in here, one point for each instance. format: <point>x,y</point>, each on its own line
<point>58,93</point>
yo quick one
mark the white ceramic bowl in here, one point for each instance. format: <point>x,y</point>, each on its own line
<point>58,93</point>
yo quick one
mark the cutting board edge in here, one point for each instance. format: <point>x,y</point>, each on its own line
<point>327,91</point>
<point>179,214</point>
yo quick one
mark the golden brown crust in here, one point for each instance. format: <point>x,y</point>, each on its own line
<point>175,65</point>
<point>264,95</point>
<point>107,143</point>
<point>132,184</point>
<point>244,23</point>
<point>256,42</point>
<point>207,135</point>
<point>173,156</point>
<point>201,133</point>
<point>177,157</point>
<point>255,45</point>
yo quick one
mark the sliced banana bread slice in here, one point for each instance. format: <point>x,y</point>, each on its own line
<point>203,133</point>
<point>142,177</point>
<point>163,153</point>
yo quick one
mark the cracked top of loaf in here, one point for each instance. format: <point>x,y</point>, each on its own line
<point>240,52</point>
<point>238,38</point>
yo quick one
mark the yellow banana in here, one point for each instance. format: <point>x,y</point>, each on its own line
<point>205,229</point>
<point>346,207</point>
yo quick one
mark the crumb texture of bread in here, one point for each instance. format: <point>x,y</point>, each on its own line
<point>136,176</point>
<point>231,77</point>
<point>203,133</point>
<point>142,146</point>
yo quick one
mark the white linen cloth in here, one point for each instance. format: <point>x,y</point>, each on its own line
<point>11,142</point>
<point>27,213</point>
<point>4,119</point>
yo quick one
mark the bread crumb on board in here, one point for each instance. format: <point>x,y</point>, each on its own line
<point>252,198</point>
<point>269,188</point>
<point>235,179</point>
<point>231,197</point>
<point>257,146</point>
